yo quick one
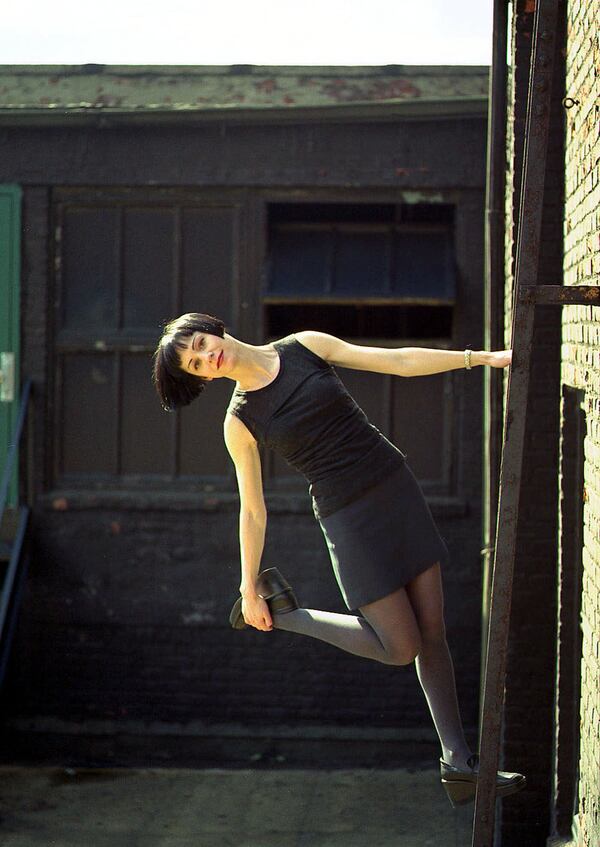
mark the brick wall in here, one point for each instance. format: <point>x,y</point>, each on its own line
<point>529,701</point>
<point>581,369</point>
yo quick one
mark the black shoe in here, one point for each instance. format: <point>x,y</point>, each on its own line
<point>273,588</point>
<point>461,785</point>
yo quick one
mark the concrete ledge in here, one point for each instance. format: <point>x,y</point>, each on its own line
<point>127,744</point>
<point>225,730</point>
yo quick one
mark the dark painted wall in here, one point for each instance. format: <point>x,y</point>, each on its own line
<point>418,153</point>
<point>125,614</point>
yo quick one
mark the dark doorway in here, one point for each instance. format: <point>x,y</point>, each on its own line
<point>568,688</point>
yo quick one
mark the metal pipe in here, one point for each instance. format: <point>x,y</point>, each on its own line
<point>493,300</point>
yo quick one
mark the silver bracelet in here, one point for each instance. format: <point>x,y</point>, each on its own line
<point>468,359</point>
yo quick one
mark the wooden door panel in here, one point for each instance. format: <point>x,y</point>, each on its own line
<point>210,258</point>
<point>149,253</point>
<point>127,261</point>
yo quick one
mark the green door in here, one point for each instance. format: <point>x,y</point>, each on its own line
<point>10,230</point>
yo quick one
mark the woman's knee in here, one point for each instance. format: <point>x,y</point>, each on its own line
<point>393,620</point>
<point>431,636</point>
<point>403,652</point>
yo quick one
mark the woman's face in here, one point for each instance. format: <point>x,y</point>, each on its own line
<point>205,355</point>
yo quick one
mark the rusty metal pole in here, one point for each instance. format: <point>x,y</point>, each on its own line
<point>526,272</point>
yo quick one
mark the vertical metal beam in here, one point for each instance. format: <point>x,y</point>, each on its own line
<point>493,302</point>
<point>526,272</point>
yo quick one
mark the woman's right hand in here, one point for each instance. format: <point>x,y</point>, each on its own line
<point>256,612</point>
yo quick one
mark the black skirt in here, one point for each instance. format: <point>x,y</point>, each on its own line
<point>383,540</point>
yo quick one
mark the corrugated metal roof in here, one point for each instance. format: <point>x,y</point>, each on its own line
<point>129,89</point>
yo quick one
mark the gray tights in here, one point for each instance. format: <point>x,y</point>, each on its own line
<point>389,631</point>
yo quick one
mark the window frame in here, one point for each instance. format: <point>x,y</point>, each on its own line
<point>443,489</point>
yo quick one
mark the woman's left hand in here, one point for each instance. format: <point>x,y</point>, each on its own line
<point>499,359</point>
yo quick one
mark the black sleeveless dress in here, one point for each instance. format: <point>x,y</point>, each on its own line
<point>377,525</point>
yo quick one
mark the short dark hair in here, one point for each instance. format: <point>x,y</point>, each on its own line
<point>176,387</point>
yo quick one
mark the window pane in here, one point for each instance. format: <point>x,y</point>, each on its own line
<point>90,268</point>
<point>88,423</point>
<point>148,266</point>
<point>366,251</point>
<point>362,263</point>
<point>424,265</point>
<point>146,430</point>
<point>300,261</point>
<point>209,247</point>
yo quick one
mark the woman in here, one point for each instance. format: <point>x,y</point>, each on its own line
<point>385,549</point>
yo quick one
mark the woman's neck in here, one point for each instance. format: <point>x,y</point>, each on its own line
<point>255,366</point>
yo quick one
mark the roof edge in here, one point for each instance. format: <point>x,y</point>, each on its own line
<point>106,117</point>
<point>242,70</point>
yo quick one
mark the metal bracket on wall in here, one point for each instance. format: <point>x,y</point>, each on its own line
<point>561,295</point>
<point>7,377</point>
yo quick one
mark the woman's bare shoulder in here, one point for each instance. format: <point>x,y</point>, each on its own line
<point>319,343</point>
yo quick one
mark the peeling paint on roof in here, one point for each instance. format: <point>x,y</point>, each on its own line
<point>112,88</point>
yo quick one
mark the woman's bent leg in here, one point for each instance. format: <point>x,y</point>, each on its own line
<point>434,665</point>
<point>388,632</point>
<point>407,624</point>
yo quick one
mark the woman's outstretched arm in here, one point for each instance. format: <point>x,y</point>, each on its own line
<point>243,449</point>
<point>400,361</point>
